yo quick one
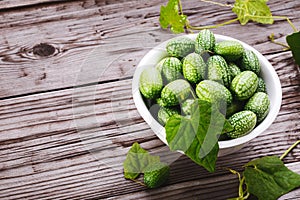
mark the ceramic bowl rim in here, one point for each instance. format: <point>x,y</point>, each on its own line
<point>268,73</point>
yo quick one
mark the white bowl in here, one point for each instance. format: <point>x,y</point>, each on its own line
<point>226,147</point>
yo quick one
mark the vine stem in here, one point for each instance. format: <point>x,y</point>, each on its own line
<point>241,191</point>
<point>180,7</point>
<point>276,17</point>
<point>242,194</point>
<point>286,47</point>
<point>188,25</point>
<point>289,150</point>
<point>288,20</point>
<point>139,182</point>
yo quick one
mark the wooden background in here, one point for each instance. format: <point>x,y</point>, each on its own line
<point>67,118</point>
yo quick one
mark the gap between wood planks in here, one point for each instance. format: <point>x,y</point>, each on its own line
<point>61,165</point>
<point>8,5</point>
<point>52,117</point>
<point>83,27</point>
<point>65,88</point>
<point>274,57</point>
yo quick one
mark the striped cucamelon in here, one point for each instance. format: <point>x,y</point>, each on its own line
<point>242,122</point>
<point>205,41</point>
<point>171,68</point>
<point>244,85</point>
<point>229,49</point>
<point>259,103</point>
<point>165,113</point>
<point>150,83</point>
<point>249,61</point>
<point>218,70</point>
<point>180,47</point>
<point>194,68</point>
<point>213,92</point>
<point>176,92</point>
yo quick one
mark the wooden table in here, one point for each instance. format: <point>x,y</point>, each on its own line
<point>66,107</point>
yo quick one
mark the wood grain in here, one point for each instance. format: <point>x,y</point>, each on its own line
<point>67,116</point>
<point>78,138</point>
<point>6,4</point>
<point>19,4</point>
<point>76,28</point>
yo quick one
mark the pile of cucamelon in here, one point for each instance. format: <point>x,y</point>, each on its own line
<point>223,73</point>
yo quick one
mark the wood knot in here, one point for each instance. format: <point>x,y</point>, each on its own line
<point>43,50</point>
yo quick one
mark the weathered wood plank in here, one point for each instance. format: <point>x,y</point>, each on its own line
<point>202,189</point>
<point>19,4</point>
<point>122,37</point>
<point>6,4</point>
<point>71,144</point>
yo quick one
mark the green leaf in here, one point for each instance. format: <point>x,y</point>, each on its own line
<point>197,135</point>
<point>294,42</point>
<point>268,178</point>
<point>227,127</point>
<point>169,16</point>
<point>137,160</point>
<point>255,10</point>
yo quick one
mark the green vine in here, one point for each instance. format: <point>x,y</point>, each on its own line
<point>172,16</point>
